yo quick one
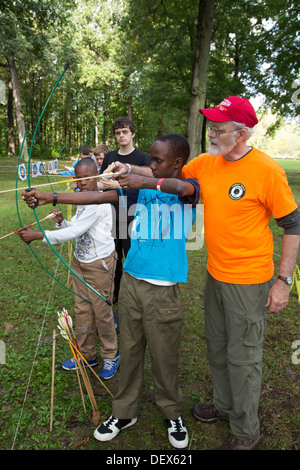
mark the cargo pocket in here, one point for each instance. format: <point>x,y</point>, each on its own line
<point>251,352</point>
<point>167,315</point>
<point>255,333</point>
<point>172,310</point>
<point>168,330</point>
<point>256,321</point>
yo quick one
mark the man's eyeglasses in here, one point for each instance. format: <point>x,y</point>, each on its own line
<point>217,132</point>
<point>121,132</point>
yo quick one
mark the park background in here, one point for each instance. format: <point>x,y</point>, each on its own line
<point>157,62</point>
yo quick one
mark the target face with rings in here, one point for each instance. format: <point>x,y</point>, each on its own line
<point>34,169</point>
<point>237,191</point>
<point>22,172</point>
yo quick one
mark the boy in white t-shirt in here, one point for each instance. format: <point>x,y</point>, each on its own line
<point>95,262</point>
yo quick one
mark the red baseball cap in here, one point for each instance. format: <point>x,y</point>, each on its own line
<point>232,108</point>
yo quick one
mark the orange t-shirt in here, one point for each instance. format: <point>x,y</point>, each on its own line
<point>239,199</point>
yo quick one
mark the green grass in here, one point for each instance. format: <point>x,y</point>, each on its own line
<point>29,301</point>
<point>289,164</point>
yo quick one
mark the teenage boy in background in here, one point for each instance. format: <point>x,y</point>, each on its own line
<point>124,132</point>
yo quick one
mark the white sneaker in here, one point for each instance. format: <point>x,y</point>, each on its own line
<point>111,427</point>
<point>177,433</point>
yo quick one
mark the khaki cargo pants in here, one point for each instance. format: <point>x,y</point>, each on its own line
<point>235,320</point>
<point>95,319</point>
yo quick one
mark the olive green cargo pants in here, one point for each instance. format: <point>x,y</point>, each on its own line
<point>235,320</point>
<point>149,315</point>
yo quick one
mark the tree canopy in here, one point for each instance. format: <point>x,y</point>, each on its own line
<point>140,58</point>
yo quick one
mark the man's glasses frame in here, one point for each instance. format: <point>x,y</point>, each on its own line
<point>217,133</point>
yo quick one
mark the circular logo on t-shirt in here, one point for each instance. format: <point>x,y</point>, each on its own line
<point>237,191</point>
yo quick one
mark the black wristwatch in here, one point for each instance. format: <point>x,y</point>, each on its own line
<point>54,199</point>
<point>287,280</point>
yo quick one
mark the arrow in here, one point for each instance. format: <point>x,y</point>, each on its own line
<point>50,216</point>
<point>103,175</point>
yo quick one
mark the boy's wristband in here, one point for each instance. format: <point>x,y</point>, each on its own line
<point>54,199</point>
<point>129,168</point>
<point>159,183</point>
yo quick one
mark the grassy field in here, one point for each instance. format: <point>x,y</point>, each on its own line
<point>29,302</point>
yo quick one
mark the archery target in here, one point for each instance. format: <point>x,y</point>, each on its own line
<point>22,171</point>
<point>42,168</point>
<point>34,170</point>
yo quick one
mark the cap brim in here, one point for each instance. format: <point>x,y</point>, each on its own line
<point>215,115</point>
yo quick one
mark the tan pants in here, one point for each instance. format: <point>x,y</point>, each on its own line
<point>95,318</point>
<point>149,315</point>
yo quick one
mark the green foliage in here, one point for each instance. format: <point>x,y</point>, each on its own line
<point>136,57</point>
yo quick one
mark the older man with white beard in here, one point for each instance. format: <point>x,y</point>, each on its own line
<point>241,188</point>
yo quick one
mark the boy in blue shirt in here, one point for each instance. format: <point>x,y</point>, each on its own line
<point>150,308</point>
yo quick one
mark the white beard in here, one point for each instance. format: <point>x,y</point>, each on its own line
<point>218,149</point>
<point>214,150</point>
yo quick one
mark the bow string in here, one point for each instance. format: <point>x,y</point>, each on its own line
<point>22,226</point>
<point>42,230</point>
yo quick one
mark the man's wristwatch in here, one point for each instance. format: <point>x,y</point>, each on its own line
<point>287,280</point>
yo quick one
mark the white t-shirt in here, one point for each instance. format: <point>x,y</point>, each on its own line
<point>91,229</point>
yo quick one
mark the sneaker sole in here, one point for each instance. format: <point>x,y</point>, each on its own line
<point>107,378</point>
<point>74,368</point>
<point>109,437</point>
<point>179,444</point>
<point>211,420</point>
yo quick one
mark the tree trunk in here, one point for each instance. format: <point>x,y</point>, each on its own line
<point>130,109</point>
<point>17,98</point>
<point>96,119</point>
<point>200,74</point>
<point>161,121</point>
<point>10,117</point>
